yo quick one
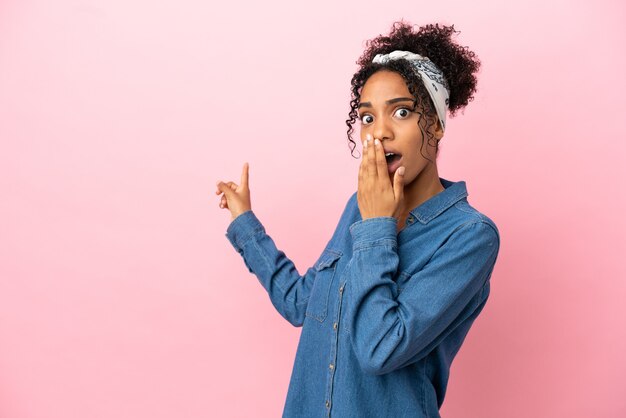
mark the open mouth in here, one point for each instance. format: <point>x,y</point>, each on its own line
<point>393,161</point>
<point>391,157</point>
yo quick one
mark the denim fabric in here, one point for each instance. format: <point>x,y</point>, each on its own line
<point>383,313</point>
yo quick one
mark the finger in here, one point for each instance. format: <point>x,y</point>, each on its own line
<point>398,184</point>
<point>365,156</point>
<point>244,175</point>
<point>225,188</point>
<point>371,159</point>
<point>363,164</point>
<point>232,185</point>
<point>381,163</point>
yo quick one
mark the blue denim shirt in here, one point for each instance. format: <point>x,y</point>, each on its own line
<point>383,313</point>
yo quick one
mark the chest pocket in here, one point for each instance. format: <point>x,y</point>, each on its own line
<point>325,270</point>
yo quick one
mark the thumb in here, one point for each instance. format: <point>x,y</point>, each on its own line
<point>398,184</point>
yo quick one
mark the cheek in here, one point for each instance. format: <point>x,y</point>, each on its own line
<point>413,132</point>
<point>416,157</point>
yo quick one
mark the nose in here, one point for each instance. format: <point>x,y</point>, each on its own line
<point>381,129</point>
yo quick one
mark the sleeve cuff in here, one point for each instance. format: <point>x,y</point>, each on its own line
<point>242,228</point>
<point>370,232</point>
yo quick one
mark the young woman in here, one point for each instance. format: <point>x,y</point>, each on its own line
<point>389,302</point>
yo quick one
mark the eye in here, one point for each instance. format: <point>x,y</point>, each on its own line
<point>365,120</point>
<point>403,112</point>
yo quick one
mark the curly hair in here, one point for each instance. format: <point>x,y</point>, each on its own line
<point>457,63</point>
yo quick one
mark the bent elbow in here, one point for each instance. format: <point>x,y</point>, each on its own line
<point>374,366</point>
<point>294,315</point>
<point>296,321</point>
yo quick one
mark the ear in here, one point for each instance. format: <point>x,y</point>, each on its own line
<point>438,130</point>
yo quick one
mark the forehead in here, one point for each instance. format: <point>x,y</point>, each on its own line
<point>383,85</point>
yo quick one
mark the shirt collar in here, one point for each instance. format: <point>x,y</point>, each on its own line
<point>433,207</point>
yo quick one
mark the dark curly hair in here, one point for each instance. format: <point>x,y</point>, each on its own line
<point>457,63</point>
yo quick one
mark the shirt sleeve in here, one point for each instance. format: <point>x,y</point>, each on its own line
<point>287,289</point>
<point>389,330</point>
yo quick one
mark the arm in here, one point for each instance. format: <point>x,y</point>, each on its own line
<point>288,291</point>
<point>390,330</point>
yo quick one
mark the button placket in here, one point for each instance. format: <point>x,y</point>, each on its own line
<point>335,342</point>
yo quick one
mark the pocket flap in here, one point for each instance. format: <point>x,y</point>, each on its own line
<point>327,258</point>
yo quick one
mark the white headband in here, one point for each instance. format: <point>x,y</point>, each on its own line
<point>431,76</point>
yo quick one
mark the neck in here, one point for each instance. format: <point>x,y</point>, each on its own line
<point>422,188</point>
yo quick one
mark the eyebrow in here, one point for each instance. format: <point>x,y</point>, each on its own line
<point>390,101</point>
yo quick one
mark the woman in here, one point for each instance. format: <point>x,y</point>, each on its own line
<point>386,307</point>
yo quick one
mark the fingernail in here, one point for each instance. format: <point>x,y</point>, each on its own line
<point>401,171</point>
<point>377,142</point>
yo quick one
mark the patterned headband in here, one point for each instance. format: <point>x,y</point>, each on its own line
<point>431,76</point>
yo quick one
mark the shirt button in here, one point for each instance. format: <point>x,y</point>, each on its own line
<point>411,219</point>
<point>335,325</point>
<point>331,366</point>
<point>341,289</point>
<point>327,404</point>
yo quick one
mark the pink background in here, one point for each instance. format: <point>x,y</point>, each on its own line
<point>121,297</point>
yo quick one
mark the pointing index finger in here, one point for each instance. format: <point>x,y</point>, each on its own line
<point>244,175</point>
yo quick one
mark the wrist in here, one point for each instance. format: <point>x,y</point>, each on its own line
<point>237,214</point>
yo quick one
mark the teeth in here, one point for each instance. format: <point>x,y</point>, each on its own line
<point>389,153</point>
